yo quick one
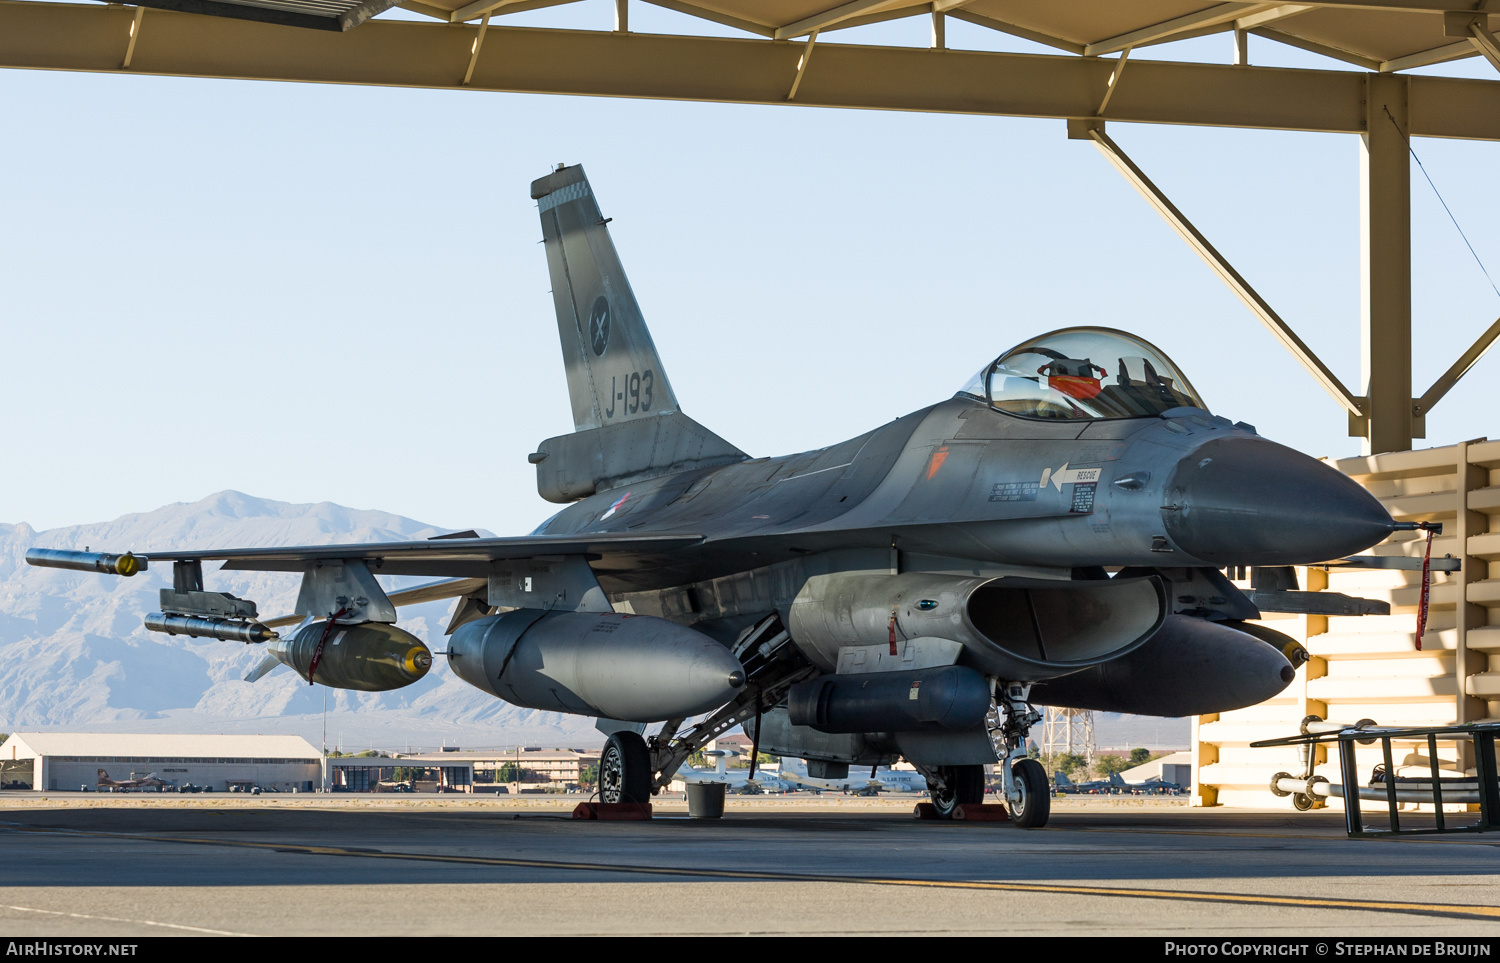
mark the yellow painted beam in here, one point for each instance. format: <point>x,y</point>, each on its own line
<point>50,36</point>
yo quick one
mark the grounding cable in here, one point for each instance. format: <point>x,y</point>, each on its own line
<point>1439,194</point>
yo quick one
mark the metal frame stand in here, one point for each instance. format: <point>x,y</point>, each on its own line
<point>1484,789</point>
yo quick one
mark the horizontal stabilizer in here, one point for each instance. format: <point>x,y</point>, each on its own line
<point>570,467</point>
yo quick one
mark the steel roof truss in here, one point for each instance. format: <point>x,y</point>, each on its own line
<point>314,14</point>
<point>603,63</point>
<point>1015,30</point>
<point>1485,42</point>
<point>714,16</point>
<point>1167,29</point>
<point>1248,295</point>
<point>1312,46</point>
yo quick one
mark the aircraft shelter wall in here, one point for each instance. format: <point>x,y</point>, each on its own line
<point>1369,667</point>
<point>70,773</point>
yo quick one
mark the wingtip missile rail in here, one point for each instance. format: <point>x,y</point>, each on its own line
<point>127,564</point>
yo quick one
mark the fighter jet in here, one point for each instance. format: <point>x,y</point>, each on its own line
<point>1153,786</point>
<point>1066,786</point>
<point>1052,534</point>
<point>148,781</point>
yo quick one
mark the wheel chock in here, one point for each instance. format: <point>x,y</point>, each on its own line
<point>981,813</point>
<point>924,811</point>
<point>616,811</point>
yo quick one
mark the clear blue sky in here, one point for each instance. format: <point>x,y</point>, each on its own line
<point>335,293</point>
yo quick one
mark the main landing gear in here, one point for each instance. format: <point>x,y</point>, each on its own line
<point>954,786</point>
<point>625,769</point>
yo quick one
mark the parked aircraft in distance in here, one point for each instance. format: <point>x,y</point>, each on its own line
<point>735,779</point>
<point>880,780</point>
<point>1053,534</point>
<point>148,781</point>
<point>1063,784</point>
<point>1153,786</point>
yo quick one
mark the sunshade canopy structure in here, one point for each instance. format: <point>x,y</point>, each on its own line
<point>779,52</point>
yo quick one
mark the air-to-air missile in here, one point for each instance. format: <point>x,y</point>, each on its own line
<point>1055,533</point>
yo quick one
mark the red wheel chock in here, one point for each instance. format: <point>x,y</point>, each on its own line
<point>620,811</point>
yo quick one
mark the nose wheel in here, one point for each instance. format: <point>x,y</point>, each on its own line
<point>1032,803</point>
<point>625,769</point>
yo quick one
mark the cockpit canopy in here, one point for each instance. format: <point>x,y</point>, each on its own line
<point>1082,373</point>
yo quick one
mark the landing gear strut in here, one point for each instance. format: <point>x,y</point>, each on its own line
<point>1008,722</point>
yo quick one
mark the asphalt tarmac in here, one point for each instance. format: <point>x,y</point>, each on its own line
<point>334,866</point>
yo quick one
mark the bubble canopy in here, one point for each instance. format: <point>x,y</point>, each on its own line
<point>1083,373</point>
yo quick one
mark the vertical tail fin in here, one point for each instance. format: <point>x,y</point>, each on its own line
<point>614,372</point>
<point>626,421</point>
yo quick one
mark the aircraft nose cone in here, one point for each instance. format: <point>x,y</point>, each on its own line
<point>1248,501</point>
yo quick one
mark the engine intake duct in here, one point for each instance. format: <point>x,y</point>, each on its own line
<point>1022,629</point>
<point>948,697</point>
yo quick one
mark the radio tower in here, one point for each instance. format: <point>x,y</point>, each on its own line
<point>1070,731</point>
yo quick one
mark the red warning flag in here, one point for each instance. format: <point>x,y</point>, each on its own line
<point>1426,591</point>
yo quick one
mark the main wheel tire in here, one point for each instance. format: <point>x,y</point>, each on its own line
<point>625,769</point>
<point>1035,805</point>
<point>962,784</point>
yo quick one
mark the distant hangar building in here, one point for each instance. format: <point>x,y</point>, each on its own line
<point>69,761</point>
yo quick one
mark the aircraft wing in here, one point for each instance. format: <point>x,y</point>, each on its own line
<point>450,557</point>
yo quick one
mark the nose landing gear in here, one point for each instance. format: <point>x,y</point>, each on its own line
<point>1008,723</point>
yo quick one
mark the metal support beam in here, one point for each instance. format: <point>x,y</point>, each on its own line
<point>939,29</point>
<point>622,16</point>
<point>821,21</point>
<point>484,25</point>
<point>1241,47</point>
<point>1016,30</point>
<point>1274,14</point>
<point>59,36</point>
<point>135,32</point>
<point>714,16</point>
<point>1094,130</point>
<point>1426,58</point>
<point>1114,80</point>
<point>1385,268</point>
<point>1460,368</point>
<point>807,52</point>
<point>1220,13</point>
<point>1322,49</point>
<point>1485,43</point>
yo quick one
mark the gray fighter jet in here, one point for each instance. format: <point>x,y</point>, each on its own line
<point>1052,534</point>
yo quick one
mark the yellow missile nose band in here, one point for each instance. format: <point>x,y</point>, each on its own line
<point>127,564</point>
<point>417,660</point>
